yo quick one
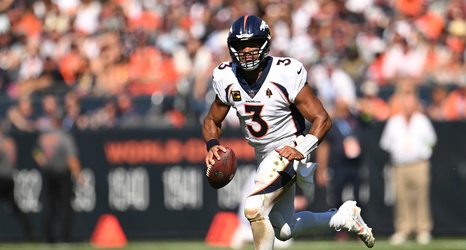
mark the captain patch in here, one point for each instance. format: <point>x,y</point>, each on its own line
<point>236,95</point>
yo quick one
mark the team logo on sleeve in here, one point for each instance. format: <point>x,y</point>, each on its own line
<point>236,95</point>
<point>268,93</point>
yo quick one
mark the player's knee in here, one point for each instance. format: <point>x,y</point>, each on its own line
<point>253,208</point>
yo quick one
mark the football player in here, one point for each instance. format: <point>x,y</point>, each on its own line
<point>272,99</point>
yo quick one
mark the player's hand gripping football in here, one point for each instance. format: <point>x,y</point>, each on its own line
<point>290,153</point>
<point>213,154</point>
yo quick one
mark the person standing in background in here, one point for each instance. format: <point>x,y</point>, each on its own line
<point>22,116</point>
<point>436,110</point>
<point>455,103</point>
<point>7,183</point>
<point>332,83</point>
<point>340,152</point>
<point>409,138</point>
<point>50,109</point>
<point>56,153</point>
<point>372,107</point>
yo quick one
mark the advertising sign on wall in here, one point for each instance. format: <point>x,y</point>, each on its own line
<point>154,182</point>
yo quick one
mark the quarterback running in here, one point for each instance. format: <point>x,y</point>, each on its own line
<point>272,100</point>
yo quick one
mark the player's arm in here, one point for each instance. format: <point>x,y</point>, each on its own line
<point>74,166</point>
<point>313,111</point>
<point>211,129</point>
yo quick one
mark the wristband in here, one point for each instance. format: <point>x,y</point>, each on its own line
<point>210,143</point>
<point>305,145</point>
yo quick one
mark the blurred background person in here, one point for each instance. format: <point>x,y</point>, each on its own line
<point>7,183</point>
<point>403,87</point>
<point>22,116</point>
<point>436,109</point>
<point>340,153</point>
<point>332,83</point>
<point>455,103</point>
<point>56,154</point>
<point>50,110</point>
<point>409,138</point>
<point>371,107</point>
<point>74,113</point>
<point>403,49</point>
<point>126,112</point>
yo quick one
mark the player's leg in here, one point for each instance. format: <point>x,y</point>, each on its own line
<point>402,220</point>
<point>288,224</point>
<point>271,178</point>
<point>53,190</point>
<point>257,208</point>
<point>66,195</point>
<point>243,234</point>
<point>422,204</point>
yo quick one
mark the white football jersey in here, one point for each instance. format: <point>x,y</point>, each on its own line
<point>268,117</point>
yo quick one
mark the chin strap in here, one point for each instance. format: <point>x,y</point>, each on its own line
<point>305,145</point>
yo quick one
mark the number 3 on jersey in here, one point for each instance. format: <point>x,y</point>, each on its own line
<point>256,117</point>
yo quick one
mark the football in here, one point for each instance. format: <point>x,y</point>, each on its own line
<point>223,171</point>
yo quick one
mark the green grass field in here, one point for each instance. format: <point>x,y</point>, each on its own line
<point>437,244</point>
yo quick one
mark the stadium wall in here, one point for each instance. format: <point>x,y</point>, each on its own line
<point>154,182</point>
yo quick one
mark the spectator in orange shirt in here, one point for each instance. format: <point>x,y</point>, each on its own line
<point>169,76</point>
<point>148,20</point>
<point>145,67</point>
<point>410,7</point>
<point>374,69</point>
<point>71,64</point>
<point>28,24</point>
<point>455,104</point>
<point>404,86</point>
<point>113,75</point>
<point>370,105</point>
<point>436,109</point>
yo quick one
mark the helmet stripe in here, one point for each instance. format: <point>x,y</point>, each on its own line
<point>244,22</point>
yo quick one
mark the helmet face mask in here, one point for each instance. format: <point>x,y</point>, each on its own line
<point>249,42</point>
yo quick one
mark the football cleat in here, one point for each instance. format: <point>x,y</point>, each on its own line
<point>349,217</point>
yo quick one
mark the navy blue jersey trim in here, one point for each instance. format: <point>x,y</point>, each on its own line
<point>298,119</point>
<point>227,89</point>
<point>287,175</point>
<point>295,114</point>
<point>255,87</point>
<point>283,90</point>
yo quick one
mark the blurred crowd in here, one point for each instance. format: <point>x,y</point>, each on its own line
<point>133,63</point>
